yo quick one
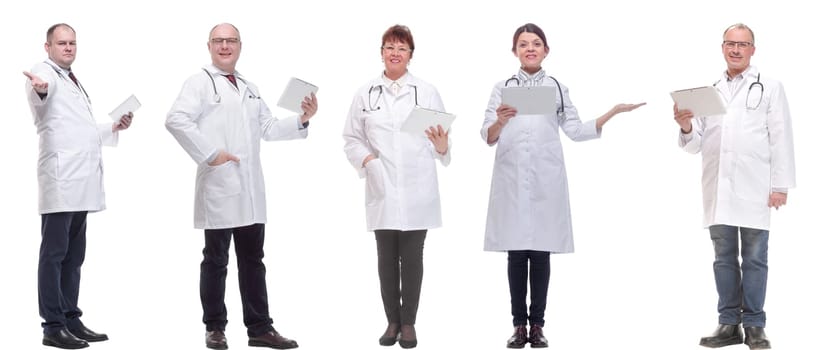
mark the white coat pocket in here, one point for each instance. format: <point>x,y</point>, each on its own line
<point>221,180</point>
<point>376,189</point>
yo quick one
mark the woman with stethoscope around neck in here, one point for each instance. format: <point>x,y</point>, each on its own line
<point>529,215</point>
<point>401,195</point>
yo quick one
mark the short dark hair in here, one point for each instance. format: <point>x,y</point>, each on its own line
<point>50,31</point>
<point>529,28</point>
<point>398,33</point>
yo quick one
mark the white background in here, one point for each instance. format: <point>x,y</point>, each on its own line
<point>641,277</point>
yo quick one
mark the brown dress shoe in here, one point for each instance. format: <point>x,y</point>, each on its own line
<point>518,339</point>
<point>755,338</point>
<point>536,338</point>
<point>407,338</point>
<point>216,340</point>
<point>724,335</point>
<point>390,335</point>
<point>272,339</point>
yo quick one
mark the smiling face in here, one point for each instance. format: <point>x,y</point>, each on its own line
<point>396,56</point>
<point>225,45</point>
<point>62,46</point>
<point>738,47</point>
<point>530,50</point>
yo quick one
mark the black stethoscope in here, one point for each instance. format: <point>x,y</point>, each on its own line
<point>378,98</point>
<point>60,73</point>
<point>218,98</point>
<point>560,111</point>
<point>748,95</point>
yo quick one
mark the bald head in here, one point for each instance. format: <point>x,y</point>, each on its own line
<point>222,25</point>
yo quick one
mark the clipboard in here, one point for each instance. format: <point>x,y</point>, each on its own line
<point>294,93</point>
<point>530,99</point>
<point>703,101</point>
<point>131,104</point>
<point>421,119</point>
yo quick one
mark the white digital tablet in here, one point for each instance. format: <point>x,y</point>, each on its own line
<point>702,101</point>
<point>530,99</point>
<point>294,93</point>
<point>422,119</point>
<point>131,104</point>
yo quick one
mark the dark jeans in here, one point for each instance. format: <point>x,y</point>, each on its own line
<point>62,252</point>
<point>536,265</point>
<point>249,245</point>
<point>400,271</point>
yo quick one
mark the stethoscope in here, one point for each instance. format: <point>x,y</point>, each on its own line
<point>60,73</point>
<point>378,98</point>
<point>218,98</point>
<point>748,95</point>
<point>560,111</point>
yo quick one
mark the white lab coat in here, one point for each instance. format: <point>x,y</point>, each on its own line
<point>529,197</point>
<point>232,194</point>
<point>401,183</point>
<point>745,153</point>
<point>69,170</point>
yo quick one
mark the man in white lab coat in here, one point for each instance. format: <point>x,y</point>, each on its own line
<point>219,119</point>
<point>747,168</point>
<point>70,182</point>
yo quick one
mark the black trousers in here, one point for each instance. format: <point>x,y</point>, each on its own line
<point>62,252</point>
<point>536,264</point>
<point>400,271</point>
<point>249,246</point>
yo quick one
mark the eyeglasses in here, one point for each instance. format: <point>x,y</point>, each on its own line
<point>737,44</point>
<point>229,41</point>
<point>402,50</point>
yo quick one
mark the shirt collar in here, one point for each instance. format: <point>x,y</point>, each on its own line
<point>739,77</point>
<point>536,77</point>
<point>214,70</point>
<point>400,81</point>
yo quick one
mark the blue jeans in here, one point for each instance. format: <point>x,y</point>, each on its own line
<point>742,287</point>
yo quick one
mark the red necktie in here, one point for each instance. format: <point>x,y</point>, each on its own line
<point>232,79</point>
<point>73,78</point>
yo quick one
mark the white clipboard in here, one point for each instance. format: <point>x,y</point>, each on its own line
<point>421,119</point>
<point>530,99</point>
<point>703,101</point>
<point>294,93</point>
<point>131,104</point>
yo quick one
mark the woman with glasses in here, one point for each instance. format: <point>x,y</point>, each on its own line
<point>529,216</point>
<point>401,194</point>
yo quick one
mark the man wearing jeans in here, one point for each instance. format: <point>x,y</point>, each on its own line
<point>747,168</point>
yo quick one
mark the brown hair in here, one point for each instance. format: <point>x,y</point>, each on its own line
<point>398,33</point>
<point>529,28</point>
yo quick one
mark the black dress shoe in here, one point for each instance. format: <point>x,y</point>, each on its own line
<point>64,340</point>
<point>216,340</point>
<point>536,338</point>
<point>407,338</point>
<point>755,338</point>
<point>726,334</point>
<point>273,340</point>
<point>518,339</point>
<point>390,335</point>
<point>88,335</point>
